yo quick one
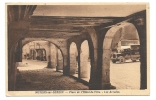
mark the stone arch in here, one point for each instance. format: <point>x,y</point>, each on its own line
<point>57,54</point>
<point>73,58</point>
<point>113,36</point>
<point>92,33</point>
<point>85,65</point>
<point>26,42</point>
<point>43,40</point>
<point>86,36</point>
<point>78,41</point>
<point>94,39</point>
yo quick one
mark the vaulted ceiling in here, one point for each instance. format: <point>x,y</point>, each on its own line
<point>66,21</point>
<point>64,27</point>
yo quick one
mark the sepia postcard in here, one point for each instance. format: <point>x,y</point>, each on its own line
<point>77,49</point>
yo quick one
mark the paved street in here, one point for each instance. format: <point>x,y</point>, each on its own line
<point>126,75</point>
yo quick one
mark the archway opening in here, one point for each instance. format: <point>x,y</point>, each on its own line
<point>40,61</point>
<point>85,65</point>
<point>42,51</point>
<point>73,60</point>
<point>121,65</point>
<point>34,55</point>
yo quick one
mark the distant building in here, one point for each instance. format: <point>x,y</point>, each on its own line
<point>36,49</point>
<point>123,44</point>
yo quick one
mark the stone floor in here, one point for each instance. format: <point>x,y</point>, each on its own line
<point>122,76</point>
<point>42,78</point>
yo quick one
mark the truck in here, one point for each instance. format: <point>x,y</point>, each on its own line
<point>126,54</point>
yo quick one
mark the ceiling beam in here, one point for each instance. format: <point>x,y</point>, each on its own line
<point>68,21</point>
<point>51,34</point>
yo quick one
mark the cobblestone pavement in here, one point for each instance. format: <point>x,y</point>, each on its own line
<point>126,75</point>
<point>122,76</point>
<point>46,79</point>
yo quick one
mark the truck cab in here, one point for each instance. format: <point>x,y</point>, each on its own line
<point>126,54</point>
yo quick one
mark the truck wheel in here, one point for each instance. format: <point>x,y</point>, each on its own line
<point>114,61</point>
<point>121,59</point>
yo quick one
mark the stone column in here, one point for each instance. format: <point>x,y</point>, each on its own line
<point>111,38</point>
<point>140,25</point>
<point>56,57</point>
<point>73,62</point>
<point>66,64</point>
<point>49,62</point>
<point>59,60</point>
<point>12,76</point>
<point>18,55</point>
<point>84,68</point>
<point>106,69</point>
<point>66,70</point>
<point>53,56</point>
<point>49,56</point>
<point>94,77</point>
<point>18,26</point>
<point>14,55</point>
<point>78,58</point>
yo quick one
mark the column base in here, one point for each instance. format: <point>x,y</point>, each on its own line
<point>72,70</point>
<point>107,86</point>
<point>66,71</point>
<point>49,65</point>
